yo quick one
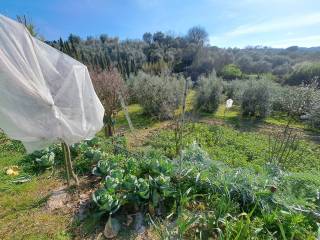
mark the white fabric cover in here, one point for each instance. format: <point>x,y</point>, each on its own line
<point>45,95</point>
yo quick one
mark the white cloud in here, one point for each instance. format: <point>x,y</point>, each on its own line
<point>276,25</point>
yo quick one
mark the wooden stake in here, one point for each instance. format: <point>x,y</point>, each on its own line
<point>182,119</point>
<point>126,112</point>
<point>68,161</point>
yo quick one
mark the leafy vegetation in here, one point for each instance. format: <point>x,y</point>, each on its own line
<point>304,73</point>
<point>203,197</point>
<point>235,148</point>
<point>231,72</point>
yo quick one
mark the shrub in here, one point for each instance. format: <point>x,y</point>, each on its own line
<point>234,89</point>
<point>304,73</point>
<point>157,68</point>
<point>296,101</point>
<point>195,155</point>
<point>209,94</point>
<point>256,99</point>
<point>108,85</point>
<point>315,113</point>
<point>159,96</point>
<point>231,72</point>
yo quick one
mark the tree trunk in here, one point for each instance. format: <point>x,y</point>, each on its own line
<point>108,126</point>
<point>108,130</point>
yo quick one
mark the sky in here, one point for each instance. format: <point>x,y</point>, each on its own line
<point>229,23</point>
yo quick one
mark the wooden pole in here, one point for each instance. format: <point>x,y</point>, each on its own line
<point>68,161</point>
<point>182,119</point>
<point>126,112</point>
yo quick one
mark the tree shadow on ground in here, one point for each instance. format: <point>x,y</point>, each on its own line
<point>245,124</point>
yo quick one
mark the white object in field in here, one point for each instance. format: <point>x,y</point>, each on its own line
<point>229,103</point>
<point>45,95</point>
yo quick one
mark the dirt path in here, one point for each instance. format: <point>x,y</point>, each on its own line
<point>138,137</point>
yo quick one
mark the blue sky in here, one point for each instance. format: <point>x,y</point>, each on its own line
<point>230,23</point>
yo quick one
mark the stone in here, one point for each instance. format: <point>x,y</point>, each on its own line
<point>57,200</point>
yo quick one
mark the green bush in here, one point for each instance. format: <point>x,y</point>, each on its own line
<point>299,101</point>
<point>231,72</point>
<point>234,89</point>
<point>315,115</point>
<point>257,99</point>
<point>209,94</point>
<point>304,73</point>
<point>159,96</point>
<point>295,101</point>
<point>315,109</point>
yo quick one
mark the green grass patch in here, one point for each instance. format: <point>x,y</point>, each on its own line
<point>281,119</point>
<point>236,148</point>
<point>138,118</point>
<point>227,114</point>
<point>21,212</point>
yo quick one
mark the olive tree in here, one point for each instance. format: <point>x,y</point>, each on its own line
<point>257,99</point>
<point>296,101</point>
<point>159,96</point>
<point>209,93</point>
<point>306,73</point>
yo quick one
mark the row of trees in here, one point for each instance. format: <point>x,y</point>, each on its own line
<point>161,95</point>
<point>261,97</point>
<point>190,55</point>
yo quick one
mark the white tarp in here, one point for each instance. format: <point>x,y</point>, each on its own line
<point>229,103</point>
<point>45,95</point>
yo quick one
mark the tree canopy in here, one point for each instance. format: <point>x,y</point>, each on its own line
<point>190,55</point>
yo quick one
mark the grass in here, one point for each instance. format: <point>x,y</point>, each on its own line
<point>227,114</point>
<point>276,121</point>
<point>21,205</point>
<point>238,149</point>
<point>280,119</point>
<point>139,120</point>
